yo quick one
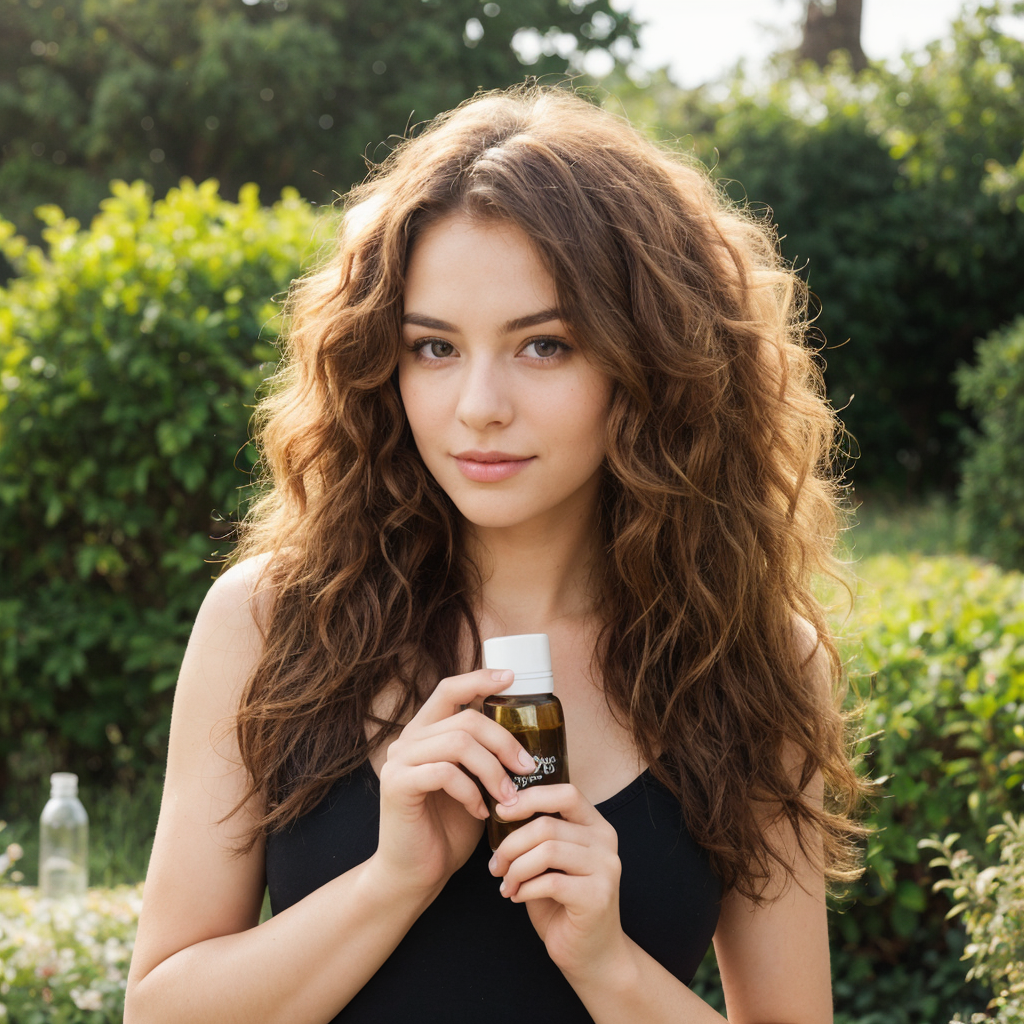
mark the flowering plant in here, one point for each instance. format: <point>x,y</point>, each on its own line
<point>991,901</point>
<point>9,856</point>
<point>66,962</point>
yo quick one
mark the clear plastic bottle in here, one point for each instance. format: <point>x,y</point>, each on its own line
<point>531,712</point>
<point>63,840</point>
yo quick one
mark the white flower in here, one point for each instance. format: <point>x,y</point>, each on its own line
<point>89,999</point>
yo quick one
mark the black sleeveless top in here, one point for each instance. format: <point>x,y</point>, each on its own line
<point>473,956</point>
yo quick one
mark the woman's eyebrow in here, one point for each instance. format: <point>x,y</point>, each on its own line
<point>520,323</point>
<point>428,321</point>
<point>533,320</point>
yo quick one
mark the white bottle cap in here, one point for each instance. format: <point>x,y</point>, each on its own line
<point>528,655</point>
<point>63,784</point>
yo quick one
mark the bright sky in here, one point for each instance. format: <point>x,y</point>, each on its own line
<point>701,39</point>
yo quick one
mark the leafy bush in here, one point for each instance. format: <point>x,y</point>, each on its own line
<point>278,94</point>
<point>130,353</point>
<point>992,488</point>
<point>939,642</point>
<point>991,901</point>
<point>66,962</point>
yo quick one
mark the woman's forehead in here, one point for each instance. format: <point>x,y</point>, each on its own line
<point>462,270</point>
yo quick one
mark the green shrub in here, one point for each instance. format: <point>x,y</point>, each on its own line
<point>992,488</point>
<point>937,649</point>
<point>289,95</point>
<point>130,353</point>
<point>991,902</point>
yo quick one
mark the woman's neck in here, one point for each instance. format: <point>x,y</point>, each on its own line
<point>535,576</point>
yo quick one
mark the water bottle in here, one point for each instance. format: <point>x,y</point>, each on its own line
<point>63,840</point>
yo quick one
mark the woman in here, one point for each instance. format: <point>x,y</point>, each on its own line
<point>548,382</point>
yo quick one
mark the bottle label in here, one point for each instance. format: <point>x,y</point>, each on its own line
<point>545,766</point>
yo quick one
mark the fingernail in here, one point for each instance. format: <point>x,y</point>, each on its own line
<point>526,761</point>
<point>502,888</point>
<point>505,675</point>
<point>492,864</point>
<point>511,794</point>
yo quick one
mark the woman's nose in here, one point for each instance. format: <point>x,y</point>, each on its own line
<point>484,397</point>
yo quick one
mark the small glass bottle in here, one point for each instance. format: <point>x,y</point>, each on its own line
<point>529,710</point>
<point>63,840</point>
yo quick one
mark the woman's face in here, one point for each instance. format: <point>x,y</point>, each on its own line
<point>506,412</point>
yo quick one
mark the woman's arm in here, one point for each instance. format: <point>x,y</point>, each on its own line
<point>199,955</point>
<point>774,959</point>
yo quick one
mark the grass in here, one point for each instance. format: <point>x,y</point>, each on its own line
<point>883,524</point>
<point>123,819</point>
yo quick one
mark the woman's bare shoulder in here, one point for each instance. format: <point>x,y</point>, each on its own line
<point>228,635</point>
<point>245,588</point>
<point>813,656</point>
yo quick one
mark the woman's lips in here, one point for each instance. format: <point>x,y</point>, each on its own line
<point>490,467</point>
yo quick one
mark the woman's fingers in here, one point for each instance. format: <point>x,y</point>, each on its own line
<point>453,692</point>
<point>468,738</point>
<point>442,734</point>
<point>552,855</point>
<point>561,858</point>
<point>508,750</point>
<point>448,777</point>
<point>574,892</point>
<point>578,842</point>
<point>563,799</point>
<point>461,747</point>
<point>536,833</point>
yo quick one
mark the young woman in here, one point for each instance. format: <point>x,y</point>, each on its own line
<point>550,381</point>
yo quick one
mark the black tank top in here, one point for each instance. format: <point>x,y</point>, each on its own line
<point>473,956</point>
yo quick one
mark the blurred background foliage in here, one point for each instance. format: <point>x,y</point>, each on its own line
<point>138,322</point>
<point>277,92</point>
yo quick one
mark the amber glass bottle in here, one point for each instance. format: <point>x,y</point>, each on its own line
<point>531,712</point>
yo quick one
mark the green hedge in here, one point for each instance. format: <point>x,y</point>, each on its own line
<point>937,648</point>
<point>130,354</point>
<point>992,487</point>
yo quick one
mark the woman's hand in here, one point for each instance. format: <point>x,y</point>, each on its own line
<point>431,810</point>
<point>567,872</point>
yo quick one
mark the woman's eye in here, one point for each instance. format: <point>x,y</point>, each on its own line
<point>434,348</point>
<point>545,348</point>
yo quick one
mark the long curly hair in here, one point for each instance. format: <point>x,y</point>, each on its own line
<point>718,503</point>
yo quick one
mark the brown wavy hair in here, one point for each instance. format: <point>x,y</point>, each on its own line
<point>718,503</point>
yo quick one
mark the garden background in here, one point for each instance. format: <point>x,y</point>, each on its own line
<point>167,168</point>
